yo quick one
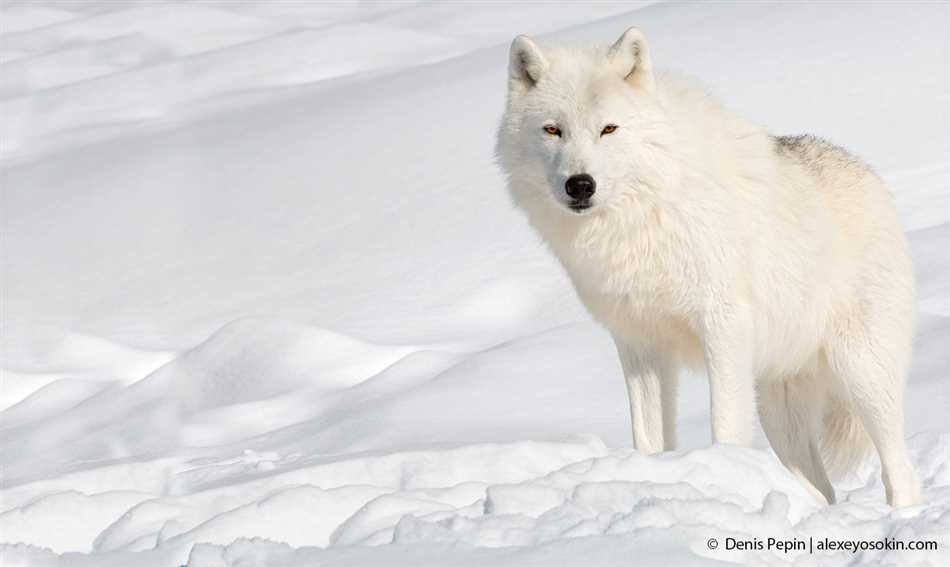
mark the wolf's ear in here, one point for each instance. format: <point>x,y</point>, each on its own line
<point>631,56</point>
<point>527,64</point>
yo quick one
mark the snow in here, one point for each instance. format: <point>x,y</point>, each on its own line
<point>266,302</point>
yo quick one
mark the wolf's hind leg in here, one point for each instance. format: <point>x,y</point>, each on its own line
<point>791,418</point>
<point>875,381</point>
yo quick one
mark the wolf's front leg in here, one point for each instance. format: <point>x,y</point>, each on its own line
<point>651,385</point>
<point>728,346</point>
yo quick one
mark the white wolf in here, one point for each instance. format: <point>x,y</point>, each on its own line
<point>697,238</point>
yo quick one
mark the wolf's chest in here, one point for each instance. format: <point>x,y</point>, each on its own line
<point>635,275</point>
<point>662,317</point>
<point>640,285</point>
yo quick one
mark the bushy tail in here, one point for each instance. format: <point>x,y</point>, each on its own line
<point>844,443</point>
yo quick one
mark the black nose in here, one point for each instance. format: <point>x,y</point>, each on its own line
<point>580,186</point>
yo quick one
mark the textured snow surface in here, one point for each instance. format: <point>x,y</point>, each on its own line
<point>266,302</point>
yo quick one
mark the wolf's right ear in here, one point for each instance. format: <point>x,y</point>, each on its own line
<point>631,56</point>
<point>527,64</point>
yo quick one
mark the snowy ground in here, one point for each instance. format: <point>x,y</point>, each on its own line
<point>265,301</point>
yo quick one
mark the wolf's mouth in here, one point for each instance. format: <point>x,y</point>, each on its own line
<point>578,205</point>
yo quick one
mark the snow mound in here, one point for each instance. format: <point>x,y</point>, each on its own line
<point>257,358</point>
<point>661,507</point>
<point>51,398</point>
<point>39,350</point>
<point>75,518</point>
<point>517,498</point>
<point>281,371</point>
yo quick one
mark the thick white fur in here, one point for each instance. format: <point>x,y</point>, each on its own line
<point>777,264</point>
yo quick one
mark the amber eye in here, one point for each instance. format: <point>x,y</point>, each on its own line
<point>553,130</point>
<point>608,129</point>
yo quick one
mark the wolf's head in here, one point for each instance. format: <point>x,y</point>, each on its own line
<point>579,123</point>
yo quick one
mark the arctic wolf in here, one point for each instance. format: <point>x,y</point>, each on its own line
<point>699,239</point>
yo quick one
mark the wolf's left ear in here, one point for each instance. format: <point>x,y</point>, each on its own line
<point>631,56</point>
